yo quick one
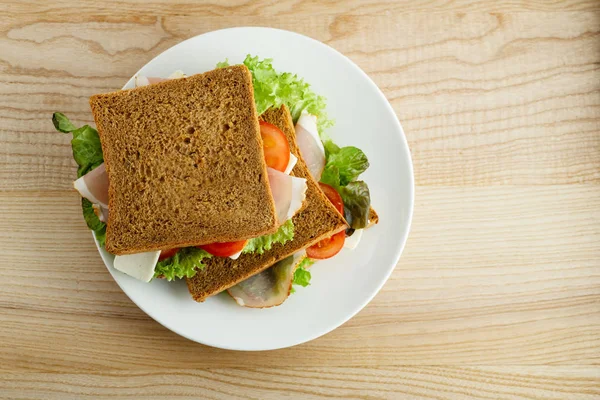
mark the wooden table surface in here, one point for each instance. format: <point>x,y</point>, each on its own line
<point>497,294</point>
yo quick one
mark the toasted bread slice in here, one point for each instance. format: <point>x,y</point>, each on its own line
<point>319,219</point>
<point>373,218</point>
<point>185,163</point>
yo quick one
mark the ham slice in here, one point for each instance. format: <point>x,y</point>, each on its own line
<point>310,144</point>
<point>141,80</point>
<point>270,287</point>
<point>288,193</point>
<point>94,186</point>
<point>145,81</point>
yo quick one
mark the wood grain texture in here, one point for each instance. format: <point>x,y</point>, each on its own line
<point>482,382</point>
<point>497,294</point>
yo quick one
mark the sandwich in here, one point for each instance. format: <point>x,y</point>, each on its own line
<point>222,179</point>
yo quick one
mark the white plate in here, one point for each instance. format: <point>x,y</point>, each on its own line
<point>340,286</point>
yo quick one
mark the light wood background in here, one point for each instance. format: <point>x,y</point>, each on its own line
<point>497,294</point>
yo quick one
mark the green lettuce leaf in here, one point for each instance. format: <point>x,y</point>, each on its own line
<point>183,264</point>
<point>302,274</point>
<point>357,202</point>
<point>223,64</point>
<point>259,245</point>
<point>93,222</point>
<point>355,195</point>
<point>87,150</point>
<point>186,261</point>
<point>331,176</point>
<point>330,148</point>
<point>87,153</point>
<point>342,168</point>
<point>305,263</point>
<point>91,219</point>
<point>101,236</point>
<point>272,89</point>
<point>62,123</point>
<point>350,162</point>
<point>343,164</point>
<point>301,277</point>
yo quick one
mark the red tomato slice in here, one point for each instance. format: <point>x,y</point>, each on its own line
<point>275,146</point>
<point>168,253</point>
<point>224,249</point>
<point>327,248</point>
<point>333,196</point>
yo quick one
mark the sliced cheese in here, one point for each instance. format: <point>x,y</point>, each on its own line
<point>352,241</point>
<point>139,266</point>
<point>141,81</point>
<point>236,255</point>
<point>177,74</point>
<point>291,164</point>
<point>299,256</point>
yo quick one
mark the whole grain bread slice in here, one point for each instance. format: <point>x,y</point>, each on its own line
<point>317,220</point>
<point>185,163</point>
